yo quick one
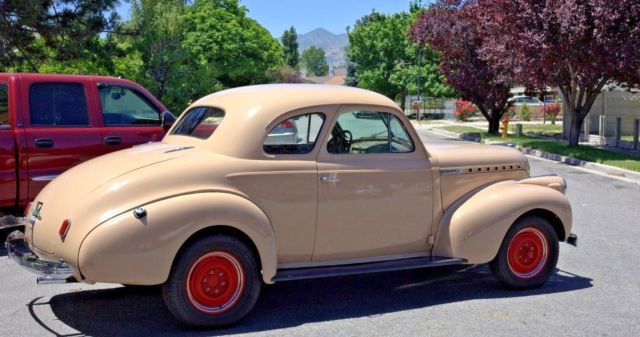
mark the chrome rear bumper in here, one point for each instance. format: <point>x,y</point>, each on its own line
<point>10,221</point>
<point>48,272</point>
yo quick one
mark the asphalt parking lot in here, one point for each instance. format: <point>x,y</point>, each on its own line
<point>595,291</point>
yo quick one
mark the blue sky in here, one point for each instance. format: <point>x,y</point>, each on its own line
<point>306,15</point>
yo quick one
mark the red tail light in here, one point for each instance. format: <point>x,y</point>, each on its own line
<point>64,229</point>
<point>26,209</point>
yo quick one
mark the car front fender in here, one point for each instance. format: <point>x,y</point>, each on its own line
<point>129,250</point>
<point>473,228</point>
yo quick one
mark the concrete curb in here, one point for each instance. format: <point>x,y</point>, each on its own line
<point>606,169</point>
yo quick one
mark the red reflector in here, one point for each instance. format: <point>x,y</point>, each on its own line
<point>26,209</point>
<point>64,229</point>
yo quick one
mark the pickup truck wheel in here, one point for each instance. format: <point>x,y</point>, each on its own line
<point>528,254</point>
<point>214,282</point>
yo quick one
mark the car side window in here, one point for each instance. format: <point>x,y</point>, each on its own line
<point>359,132</point>
<point>126,107</point>
<point>58,104</point>
<point>4,104</point>
<point>296,135</point>
<point>399,137</point>
<point>199,122</point>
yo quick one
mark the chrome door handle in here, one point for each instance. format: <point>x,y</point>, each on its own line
<point>329,179</point>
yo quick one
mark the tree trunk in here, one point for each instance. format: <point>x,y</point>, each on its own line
<point>494,125</point>
<point>575,126</point>
<point>403,100</point>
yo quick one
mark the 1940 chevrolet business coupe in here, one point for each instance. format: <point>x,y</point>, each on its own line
<point>272,183</point>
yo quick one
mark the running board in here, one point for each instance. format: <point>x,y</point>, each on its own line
<point>364,268</point>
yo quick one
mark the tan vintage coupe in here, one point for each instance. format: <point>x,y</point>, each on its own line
<point>273,183</point>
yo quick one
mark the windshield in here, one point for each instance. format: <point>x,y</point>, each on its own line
<point>199,122</point>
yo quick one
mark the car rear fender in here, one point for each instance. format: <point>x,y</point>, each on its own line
<point>473,227</point>
<point>129,250</point>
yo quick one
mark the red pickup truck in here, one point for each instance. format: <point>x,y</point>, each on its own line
<point>49,123</point>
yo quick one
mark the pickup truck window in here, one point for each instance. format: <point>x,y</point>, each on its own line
<point>296,135</point>
<point>58,104</point>
<point>4,105</point>
<point>126,107</point>
<point>199,122</point>
<point>369,132</point>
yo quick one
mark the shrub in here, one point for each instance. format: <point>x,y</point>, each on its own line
<point>525,112</point>
<point>551,112</point>
<point>463,109</point>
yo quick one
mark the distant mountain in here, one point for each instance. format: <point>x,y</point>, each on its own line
<point>333,44</point>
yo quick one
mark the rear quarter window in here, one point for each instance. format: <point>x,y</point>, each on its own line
<point>296,135</point>
<point>200,122</point>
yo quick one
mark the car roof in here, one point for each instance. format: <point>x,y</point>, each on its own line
<point>67,77</point>
<point>250,110</point>
<point>288,97</point>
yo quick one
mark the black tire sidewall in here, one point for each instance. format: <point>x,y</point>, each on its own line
<point>175,293</point>
<point>500,266</point>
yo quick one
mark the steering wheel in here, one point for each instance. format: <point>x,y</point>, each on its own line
<point>347,138</point>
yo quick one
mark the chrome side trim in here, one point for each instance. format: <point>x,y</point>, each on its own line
<point>365,268</point>
<point>45,178</point>
<point>294,265</point>
<point>483,168</point>
<point>181,148</point>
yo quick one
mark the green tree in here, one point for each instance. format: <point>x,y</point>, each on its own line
<point>385,60</point>
<point>227,46</point>
<point>314,61</point>
<point>290,43</point>
<point>37,31</point>
<point>159,32</point>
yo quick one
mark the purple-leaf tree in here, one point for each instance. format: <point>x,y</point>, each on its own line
<point>452,29</point>
<point>578,45</point>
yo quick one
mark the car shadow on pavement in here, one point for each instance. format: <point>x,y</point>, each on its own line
<point>136,312</point>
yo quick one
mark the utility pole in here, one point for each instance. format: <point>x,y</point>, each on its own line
<point>419,82</point>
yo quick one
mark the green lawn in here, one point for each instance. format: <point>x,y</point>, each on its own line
<point>539,129</point>
<point>628,138</point>
<point>536,129</point>
<point>582,152</point>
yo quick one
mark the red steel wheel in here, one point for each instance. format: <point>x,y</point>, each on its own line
<point>528,252</point>
<point>215,282</point>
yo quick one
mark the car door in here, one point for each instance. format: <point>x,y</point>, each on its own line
<point>8,174</point>
<point>284,182</point>
<point>375,189</point>
<point>128,117</point>
<point>60,132</point>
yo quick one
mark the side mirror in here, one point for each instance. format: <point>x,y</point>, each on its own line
<point>167,119</point>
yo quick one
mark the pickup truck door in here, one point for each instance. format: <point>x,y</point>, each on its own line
<point>59,130</point>
<point>8,174</point>
<point>129,117</point>
<point>375,195</point>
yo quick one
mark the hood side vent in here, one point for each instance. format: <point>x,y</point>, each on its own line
<point>483,169</point>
